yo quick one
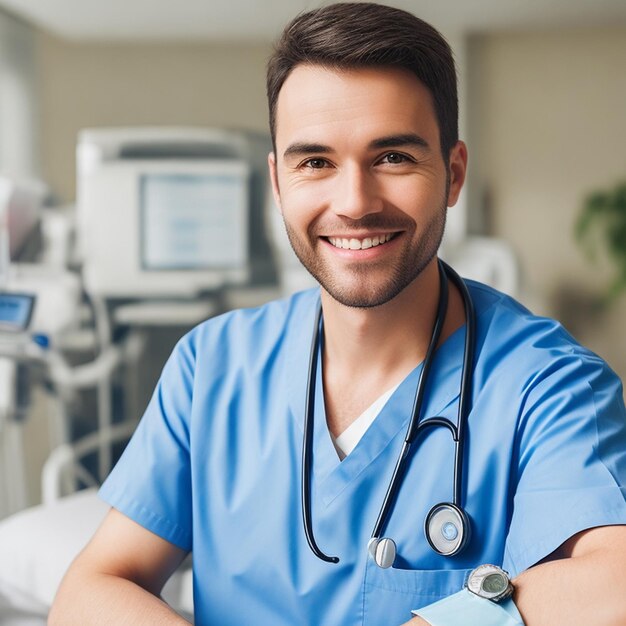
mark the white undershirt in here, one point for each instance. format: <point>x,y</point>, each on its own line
<point>346,442</point>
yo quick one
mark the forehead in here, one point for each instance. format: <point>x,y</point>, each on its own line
<point>327,105</point>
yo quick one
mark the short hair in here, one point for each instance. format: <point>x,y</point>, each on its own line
<point>355,35</point>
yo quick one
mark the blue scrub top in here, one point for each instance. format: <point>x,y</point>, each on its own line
<point>215,466</point>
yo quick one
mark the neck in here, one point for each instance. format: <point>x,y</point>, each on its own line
<point>363,338</point>
<point>369,350</point>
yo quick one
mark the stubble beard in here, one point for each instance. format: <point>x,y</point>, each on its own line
<point>364,293</point>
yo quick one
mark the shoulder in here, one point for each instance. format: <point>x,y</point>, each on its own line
<point>555,392</point>
<point>502,319</point>
<point>248,332</point>
<point>274,318</point>
<point>511,340</point>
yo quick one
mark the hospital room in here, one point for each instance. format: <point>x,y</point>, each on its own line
<point>136,203</point>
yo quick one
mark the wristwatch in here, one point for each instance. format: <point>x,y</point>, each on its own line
<point>490,582</point>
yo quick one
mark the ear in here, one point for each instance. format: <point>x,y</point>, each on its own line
<point>457,167</point>
<point>271,162</point>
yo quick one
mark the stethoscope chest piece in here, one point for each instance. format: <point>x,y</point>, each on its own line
<point>447,528</point>
<point>383,551</point>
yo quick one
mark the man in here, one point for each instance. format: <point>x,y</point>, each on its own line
<point>366,160</point>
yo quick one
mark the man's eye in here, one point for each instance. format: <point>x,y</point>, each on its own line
<point>316,164</point>
<point>394,158</point>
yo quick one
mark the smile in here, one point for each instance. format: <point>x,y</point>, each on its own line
<point>360,244</point>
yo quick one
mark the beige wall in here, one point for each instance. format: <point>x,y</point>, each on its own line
<point>548,125</point>
<point>546,122</point>
<point>93,85</point>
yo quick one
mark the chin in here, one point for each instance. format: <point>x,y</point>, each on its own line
<point>360,297</point>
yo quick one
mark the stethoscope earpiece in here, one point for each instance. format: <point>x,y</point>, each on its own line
<point>383,551</point>
<point>447,529</point>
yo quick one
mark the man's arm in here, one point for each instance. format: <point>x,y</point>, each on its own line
<point>584,585</point>
<point>117,578</point>
<point>581,583</point>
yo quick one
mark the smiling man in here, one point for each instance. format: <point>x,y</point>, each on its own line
<point>364,186</point>
<point>397,441</point>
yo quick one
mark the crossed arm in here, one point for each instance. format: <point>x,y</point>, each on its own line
<point>581,583</point>
<point>117,579</point>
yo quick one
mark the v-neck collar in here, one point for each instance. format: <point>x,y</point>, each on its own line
<point>332,476</point>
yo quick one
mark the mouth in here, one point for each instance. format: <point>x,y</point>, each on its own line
<point>353,243</point>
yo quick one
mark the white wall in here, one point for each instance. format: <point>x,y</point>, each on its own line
<point>548,126</point>
<point>19,149</point>
<point>457,219</point>
<point>19,157</point>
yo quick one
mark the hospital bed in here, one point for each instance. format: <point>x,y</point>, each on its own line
<point>38,544</point>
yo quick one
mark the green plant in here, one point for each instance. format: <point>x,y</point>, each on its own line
<point>602,224</point>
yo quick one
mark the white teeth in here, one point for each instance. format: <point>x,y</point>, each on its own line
<point>359,244</point>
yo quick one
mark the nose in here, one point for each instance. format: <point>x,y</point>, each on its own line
<point>357,195</point>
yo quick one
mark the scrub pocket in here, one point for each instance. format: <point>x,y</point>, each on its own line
<point>389,595</point>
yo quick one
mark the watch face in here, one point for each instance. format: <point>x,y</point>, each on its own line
<point>494,583</point>
<point>490,582</point>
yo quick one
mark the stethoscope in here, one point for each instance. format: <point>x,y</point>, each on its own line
<point>447,525</point>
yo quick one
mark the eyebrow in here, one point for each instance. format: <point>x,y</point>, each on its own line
<point>391,141</point>
<point>303,148</point>
<point>396,141</point>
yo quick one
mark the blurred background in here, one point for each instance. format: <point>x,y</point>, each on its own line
<point>114,115</point>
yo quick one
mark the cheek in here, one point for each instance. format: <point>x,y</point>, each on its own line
<point>414,196</point>
<point>303,200</point>
<point>299,211</point>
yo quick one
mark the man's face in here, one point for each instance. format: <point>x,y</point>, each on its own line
<point>360,180</point>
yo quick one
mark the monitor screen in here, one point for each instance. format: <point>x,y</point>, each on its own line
<point>193,221</point>
<point>15,311</point>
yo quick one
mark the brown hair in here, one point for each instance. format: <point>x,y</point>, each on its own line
<point>354,35</point>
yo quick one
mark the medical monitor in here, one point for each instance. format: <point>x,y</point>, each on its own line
<point>160,218</point>
<point>15,311</point>
<point>193,221</point>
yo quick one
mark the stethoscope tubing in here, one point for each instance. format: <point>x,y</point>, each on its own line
<point>307,448</point>
<point>416,425</point>
<point>465,393</point>
<point>413,427</point>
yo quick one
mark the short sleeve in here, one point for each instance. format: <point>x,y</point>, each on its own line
<point>151,483</point>
<point>571,462</point>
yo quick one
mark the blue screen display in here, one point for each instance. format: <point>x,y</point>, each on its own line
<point>15,311</point>
<point>193,221</point>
